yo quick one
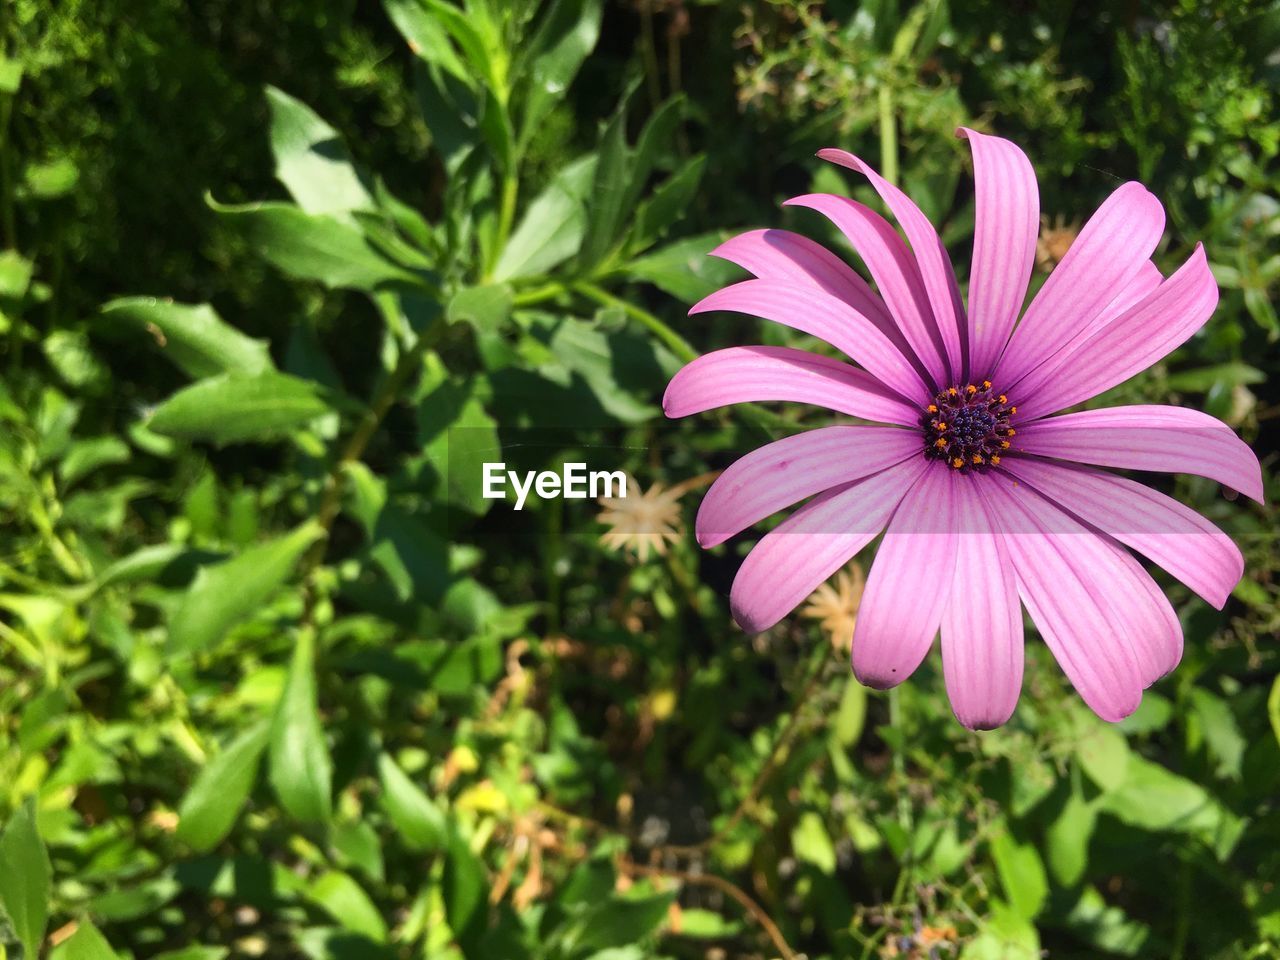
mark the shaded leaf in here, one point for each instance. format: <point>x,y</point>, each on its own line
<point>311,159</point>
<point>236,409</point>
<point>299,767</point>
<point>25,878</point>
<point>194,337</point>
<point>213,803</point>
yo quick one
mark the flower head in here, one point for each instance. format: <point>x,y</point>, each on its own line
<point>642,521</point>
<point>835,605</point>
<point>989,498</point>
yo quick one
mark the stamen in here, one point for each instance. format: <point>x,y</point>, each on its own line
<point>966,426</point>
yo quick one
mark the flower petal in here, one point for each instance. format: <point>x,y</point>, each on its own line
<point>982,653</point>
<point>1110,250</point>
<point>787,471</point>
<point>1145,283</point>
<point>818,539</point>
<point>893,268</point>
<point>749,374</point>
<point>1052,562</point>
<point>1157,438</point>
<point>1159,527</point>
<point>909,583</point>
<point>829,318</point>
<point>792,258</point>
<point>1127,345</point>
<point>1007,224</point>
<point>935,264</point>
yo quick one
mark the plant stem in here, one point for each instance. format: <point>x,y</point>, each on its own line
<point>888,135</point>
<point>676,343</point>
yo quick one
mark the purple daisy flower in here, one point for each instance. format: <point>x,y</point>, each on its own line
<point>987,500</point>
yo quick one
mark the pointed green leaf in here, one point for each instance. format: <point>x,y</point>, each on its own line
<point>311,159</point>
<point>346,901</point>
<point>299,767</point>
<point>552,228</point>
<point>194,337</point>
<point>416,818</point>
<point>235,409</point>
<point>213,803</point>
<point>25,878</point>
<point>86,944</point>
<point>226,593</point>
<point>1021,874</point>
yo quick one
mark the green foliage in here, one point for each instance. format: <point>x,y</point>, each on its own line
<point>276,681</point>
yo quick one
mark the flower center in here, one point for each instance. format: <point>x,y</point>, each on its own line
<point>968,427</point>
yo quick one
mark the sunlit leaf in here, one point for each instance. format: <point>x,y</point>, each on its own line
<point>25,878</point>
<point>235,409</point>
<point>194,337</point>
<point>213,802</point>
<point>299,767</point>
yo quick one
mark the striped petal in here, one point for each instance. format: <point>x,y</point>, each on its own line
<point>1127,345</point>
<point>1165,531</point>
<point>791,258</point>
<point>1112,248</point>
<point>894,269</point>
<point>909,583</point>
<point>829,318</point>
<point>1156,438</point>
<point>935,265</point>
<point>1062,592</point>
<point>982,640</point>
<point>787,471</point>
<point>1007,224</point>
<point>751,374</point>
<point>809,546</point>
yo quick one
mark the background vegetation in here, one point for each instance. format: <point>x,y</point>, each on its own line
<point>274,682</point>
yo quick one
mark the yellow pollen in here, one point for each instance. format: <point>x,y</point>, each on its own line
<point>940,443</point>
<point>977,458</point>
<point>1004,444</point>
<point>1003,398</point>
<point>940,424</point>
<point>1013,409</point>
<point>932,408</point>
<point>957,463</point>
<point>986,384</point>
<point>971,389</point>
<point>995,460</point>
<point>1010,432</point>
<point>952,391</point>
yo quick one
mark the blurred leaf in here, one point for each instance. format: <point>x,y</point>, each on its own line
<point>1103,753</point>
<point>485,308</point>
<point>48,181</point>
<point>86,456</point>
<point>567,32</point>
<point>425,35</point>
<point>1153,798</point>
<point>851,715</point>
<point>553,226</point>
<point>417,819</point>
<point>1221,733</point>
<point>706,924</point>
<point>668,204</point>
<point>1021,874</point>
<point>1067,840</point>
<point>226,593</point>
<point>812,843</point>
<point>86,944</point>
<point>212,805</point>
<point>236,409</point>
<point>11,71</point>
<point>621,921</point>
<point>195,338</point>
<point>15,274</point>
<point>1107,928</point>
<point>346,901</point>
<point>465,885</point>
<point>25,878</point>
<point>1201,380</point>
<point>298,765</point>
<point>684,270</point>
<point>608,192</point>
<point>311,159</point>
<point>316,246</point>
<point>1003,935</point>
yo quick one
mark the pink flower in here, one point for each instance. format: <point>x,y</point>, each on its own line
<point>985,499</point>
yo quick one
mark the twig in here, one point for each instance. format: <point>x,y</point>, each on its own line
<point>729,889</point>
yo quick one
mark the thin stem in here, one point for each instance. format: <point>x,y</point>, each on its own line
<point>731,890</point>
<point>888,135</point>
<point>676,343</point>
<point>506,215</point>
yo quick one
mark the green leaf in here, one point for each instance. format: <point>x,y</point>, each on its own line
<point>1067,840</point>
<point>213,803</point>
<point>485,308</point>
<point>48,181</point>
<point>345,900</point>
<point>11,71</point>
<point>608,192</point>
<point>316,247</point>
<point>86,456</point>
<point>224,594</point>
<point>1205,378</point>
<point>299,767</point>
<point>1152,798</point>
<point>25,878</point>
<point>621,921</point>
<point>86,944</point>
<point>684,270</point>
<point>1221,732</point>
<point>461,437</point>
<point>465,885</point>
<point>654,140</point>
<point>812,843</point>
<point>568,32</point>
<point>1021,874</point>
<point>235,409</point>
<point>194,337</point>
<point>15,275</point>
<point>668,204</point>
<point>416,818</point>
<point>425,36</point>
<point>1003,935</point>
<point>851,714</point>
<point>311,159</point>
<point>1104,755</point>
<point>1107,928</point>
<point>553,226</point>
